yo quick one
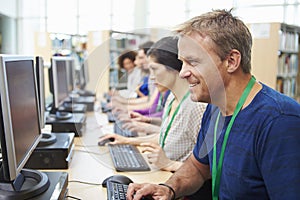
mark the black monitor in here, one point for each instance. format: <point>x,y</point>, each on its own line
<point>70,65</point>
<point>47,138</point>
<point>82,75</point>
<point>85,74</point>
<point>58,86</point>
<point>19,127</point>
<point>39,69</point>
<point>83,79</point>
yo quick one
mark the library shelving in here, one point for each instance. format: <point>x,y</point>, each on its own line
<point>50,44</point>
<point>275,56</point>
<point>104,48</point>
<point>119,42</point>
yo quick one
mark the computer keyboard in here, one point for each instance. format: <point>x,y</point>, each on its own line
<point>127,158</point>
<point>124,132</point>
<point>116,191</point>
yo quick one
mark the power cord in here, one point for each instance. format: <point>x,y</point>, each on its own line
<point>91,152</point>
<point>83,182</point>
<point>72,197</point>
<point>79,145</point>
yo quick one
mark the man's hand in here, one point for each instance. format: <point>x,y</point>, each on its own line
<point>158,192</point>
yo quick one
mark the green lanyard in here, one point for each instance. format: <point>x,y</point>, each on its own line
<point>159,104</point>
<point>217,170</point>
<point>163,137</point>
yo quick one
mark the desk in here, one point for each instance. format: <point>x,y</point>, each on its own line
<point>91,163</point>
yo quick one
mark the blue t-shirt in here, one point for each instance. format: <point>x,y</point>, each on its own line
<point>144,88</point>
<point>262,156</point>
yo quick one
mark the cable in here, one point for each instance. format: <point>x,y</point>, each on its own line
<point>72,197</point>
<point>96,153</point>
<point>79,145</point>
<point>87,183</point>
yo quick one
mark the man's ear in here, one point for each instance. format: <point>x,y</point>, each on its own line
<point>233,60</point>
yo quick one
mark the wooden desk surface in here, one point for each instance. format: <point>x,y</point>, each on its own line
<point>92,164</point>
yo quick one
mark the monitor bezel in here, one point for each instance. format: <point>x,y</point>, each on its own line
<point>40,77</point>
<point>86,75</point>
<point>10,166</point>
<point>71,73</point>
<point>56,103</point>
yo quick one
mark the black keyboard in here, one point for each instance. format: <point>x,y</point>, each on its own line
<point>124,132</point>
<point>116,191</point>
<point>127,158</point>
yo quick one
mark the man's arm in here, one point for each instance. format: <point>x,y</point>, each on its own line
<point>186,180</point>
<point>189,177</point>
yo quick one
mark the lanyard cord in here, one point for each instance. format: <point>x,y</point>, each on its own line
<point>163,137</point>
<point>217,170</point>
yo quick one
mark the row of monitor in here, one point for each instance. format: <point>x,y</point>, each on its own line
<point>23,106</point>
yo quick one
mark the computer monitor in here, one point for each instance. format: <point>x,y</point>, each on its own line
<point>82,75</point>
<point>58,86</point>
<point>71,77</point>
<point>48,93</point>
<point>85,71</point>
<point>39,69</point>
<point>19,127</point>
<point>83,79</point>
<point>47,138</point>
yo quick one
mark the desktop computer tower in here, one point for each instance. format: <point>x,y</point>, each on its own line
<point>89,101</point>
<point>73,108</point>
<point>73,124</point>
<point>85,93</point>
<point>58,189</point>
<point>57,155</point>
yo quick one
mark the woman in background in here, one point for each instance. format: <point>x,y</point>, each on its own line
<point>174,141</point>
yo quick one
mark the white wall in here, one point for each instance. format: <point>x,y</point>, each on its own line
<point>8,8</point>
<point>8,30</point>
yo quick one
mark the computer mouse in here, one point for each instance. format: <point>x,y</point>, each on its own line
<point>103,142</point>
<point>118,179</point>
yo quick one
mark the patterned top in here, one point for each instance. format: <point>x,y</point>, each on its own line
<point>183,133</point>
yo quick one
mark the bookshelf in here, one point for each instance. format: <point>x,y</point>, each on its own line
<point>275,56</point>
<point>104,48</point>
<point>120,41</point>
<point>49,44</point>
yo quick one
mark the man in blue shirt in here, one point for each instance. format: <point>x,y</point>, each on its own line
<point>249,141</point>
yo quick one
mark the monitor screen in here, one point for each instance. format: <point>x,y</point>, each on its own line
<point>86,71</point>
<point>80,80</point>
<point>58,81</point>
<point>83,75</point>
<point>20,127</point>
<point>48,92</point>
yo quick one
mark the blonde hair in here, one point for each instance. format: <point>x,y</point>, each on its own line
<point>226,31</point>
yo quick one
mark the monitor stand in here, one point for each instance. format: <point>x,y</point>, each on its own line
<point>89,101</point>
<point>73,108</point>
<point>60,115</point>
<point>73,124</point>
<point>28,184</point>
<point>47,139</point>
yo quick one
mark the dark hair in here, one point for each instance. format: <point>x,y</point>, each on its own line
<point>146,46</point>
<point>165,51</point>
<point>126,54</point>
